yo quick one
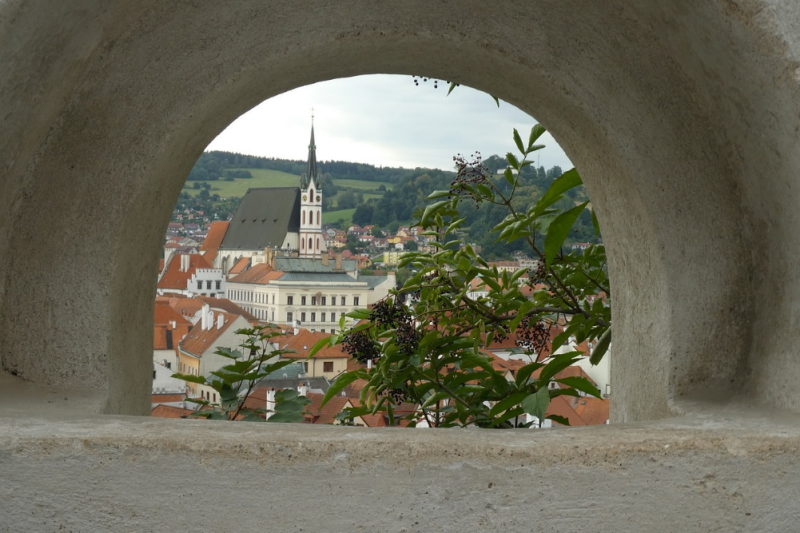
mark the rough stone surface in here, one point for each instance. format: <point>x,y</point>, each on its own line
<point>683,117</point>
<point>733,471</point>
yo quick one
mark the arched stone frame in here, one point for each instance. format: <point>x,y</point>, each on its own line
<point>686,144</point>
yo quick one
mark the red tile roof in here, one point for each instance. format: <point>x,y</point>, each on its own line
<point>261,273</point>
<point>167,398</point>
<point>174,278</point>
<point>198,341</point>
<point>227,305</point>
<point>305,340</point>
<point>240,266</point>
<point>167,411</point>
<point>215,235</point>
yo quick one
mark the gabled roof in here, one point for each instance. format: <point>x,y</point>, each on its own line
<point>174,278</point>
<point>261,273</point>
<point>304,341</point>
<point>228,306</point>
<point>164,314</point>
<point>263,219</point>
<point>326,414</point>
<point>200,340</point>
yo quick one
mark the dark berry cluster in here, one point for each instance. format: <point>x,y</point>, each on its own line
<point>360,346</point>
<point>398,395</point>
<point>532,336</point>
<point>417,79</point>
<point>469,171</point>
<point>501,333</point>
<point>539,275</point>
<point>388,314</point>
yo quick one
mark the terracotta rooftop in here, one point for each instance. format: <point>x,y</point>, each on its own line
<point>176,279</point>
<point>226,305</point>
<point>167,411</point>
<point>240,266</point>
<point>215,235</point>
<point>261,273</point>
<point>198,341</point>
<point>304,341</point>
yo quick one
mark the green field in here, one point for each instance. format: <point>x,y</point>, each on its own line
<point>333,216</point>
<point>261,178</point>
<point>364,185</point>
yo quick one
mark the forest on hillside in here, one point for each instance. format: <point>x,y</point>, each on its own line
<point>399,205</point>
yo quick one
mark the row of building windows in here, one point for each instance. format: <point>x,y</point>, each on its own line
<point>313,315</point>
<point>208,285</point>
<point>263,298</point>
<point>323,300</point>
<point>311,217</point>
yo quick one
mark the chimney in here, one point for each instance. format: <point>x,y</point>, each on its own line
<point>270,403</point>
<point>204,317</point>
<point>184,263</point>
<point>220,321</point>
<point>210,320</point>
<point>296,327</point>
<point>302,389</point>
<point>172,324</point>
<point>338,260</point>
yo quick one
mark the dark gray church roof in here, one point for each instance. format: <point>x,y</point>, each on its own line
<point>263,219</point>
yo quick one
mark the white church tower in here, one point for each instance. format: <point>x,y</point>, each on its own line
<point>311,241</point>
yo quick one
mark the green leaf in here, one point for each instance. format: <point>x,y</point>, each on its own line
<point>453,85</point>
<point>536,404</point>
<point>512,160</point>
<point>560,185</point>
<point>536,132</point>
<point>560,419</point>
<point>341,382</point>
<point>320,344</point>
<point>439,396</point>
<point>525,372</point>
<point>438,194</point>
<point>556,365</point>
<point>580,383</point>
<point>601,348</point>
<point>186,377</point>
<point>496,101</point>
<point>518,141</point>
<point>430,210</point>
<point>507,403</point>
<point>559,230</point>
<point>359,314</point>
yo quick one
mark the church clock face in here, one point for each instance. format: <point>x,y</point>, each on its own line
<point>305,197</point>
<point>319,198</point>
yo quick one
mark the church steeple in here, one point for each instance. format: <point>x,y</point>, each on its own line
<point>311,175</point>
<point>311,240</point>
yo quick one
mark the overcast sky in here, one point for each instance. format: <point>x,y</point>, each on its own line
<point>384,120</point>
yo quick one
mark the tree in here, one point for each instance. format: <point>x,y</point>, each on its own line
<point>234,382</point>
<point>363,215</point>
<point>431,354</point>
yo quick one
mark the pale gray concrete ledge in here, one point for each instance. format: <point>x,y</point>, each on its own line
<point>728,469</point>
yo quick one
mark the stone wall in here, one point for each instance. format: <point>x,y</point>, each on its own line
<point>683,118</point>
